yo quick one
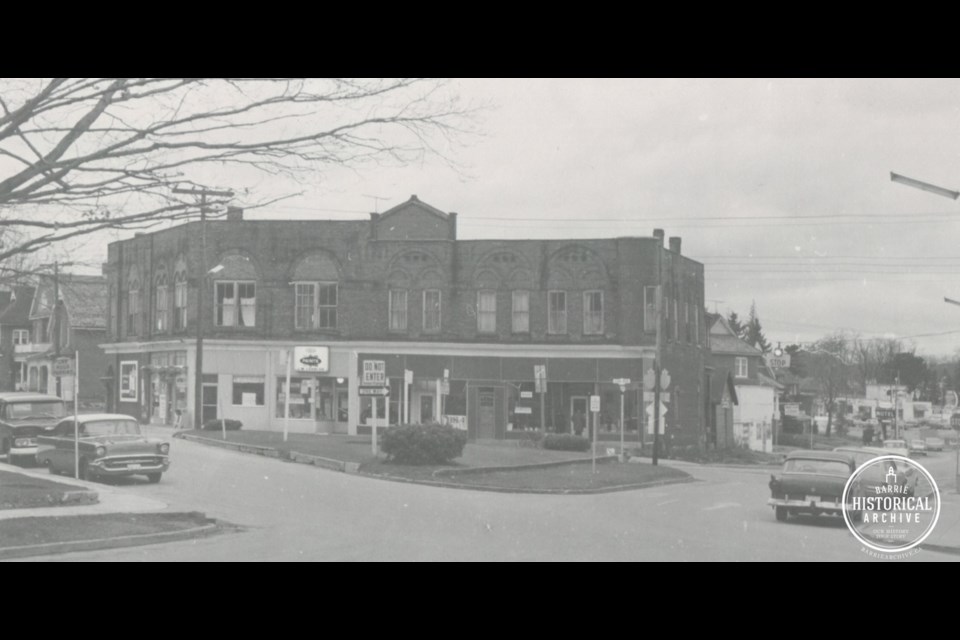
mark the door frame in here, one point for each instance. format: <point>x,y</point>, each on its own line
<point>492,392</point>
<point>586,412</point>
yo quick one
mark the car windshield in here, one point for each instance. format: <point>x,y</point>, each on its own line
<point>110,428</point>
<point>826,467</point>
<point>35,409</point>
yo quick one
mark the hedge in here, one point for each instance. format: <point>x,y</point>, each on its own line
<point>216,425</point>
<point>423,444</point>
<point>565,442</point>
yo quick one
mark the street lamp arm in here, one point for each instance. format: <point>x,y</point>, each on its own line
<point>924,186</point>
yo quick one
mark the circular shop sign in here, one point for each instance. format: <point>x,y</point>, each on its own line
<point>891,504</point>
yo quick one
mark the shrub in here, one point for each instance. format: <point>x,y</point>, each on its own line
<point>423,444</point>
<point>215,425</point>
<point>565,442</point>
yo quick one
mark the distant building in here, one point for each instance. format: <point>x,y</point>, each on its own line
<point>14,336</point>
<point>471,320</point>
<point>74,323</point>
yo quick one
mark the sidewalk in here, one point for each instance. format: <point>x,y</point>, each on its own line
<point>945,536</point>
<point>111,500</point>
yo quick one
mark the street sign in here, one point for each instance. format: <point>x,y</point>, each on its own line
<point>373,391</point>
<point>621,381</point>
<point>595,403</point>
<point>777,362</point>
<point>791,409</point>
<point>374,373</point>
<point>664,380</point>
<point>663,415</point>
<point>648,379</point>
<point>526,395</point>
<point>63,367</point>
<point>884,413</point>
<point>526,410</point>
<point>311,359</point>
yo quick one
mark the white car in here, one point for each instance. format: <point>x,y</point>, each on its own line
<point>918,446</point>
<point>934,444</point>
<point>896,447</point>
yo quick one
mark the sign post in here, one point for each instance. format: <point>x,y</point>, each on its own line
<point>594,409</point>
<point>286,403</point>
<point>375,375</point>
<point>76,416</point>
<point>623,382</point>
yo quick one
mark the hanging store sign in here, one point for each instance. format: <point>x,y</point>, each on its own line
<point>311,359</point>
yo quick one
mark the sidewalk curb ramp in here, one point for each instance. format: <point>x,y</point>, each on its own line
<point>108,543</point>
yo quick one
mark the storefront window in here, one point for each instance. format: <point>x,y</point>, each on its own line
<point>523,407</point>
<point>248,391</point>
<point>315,398</point>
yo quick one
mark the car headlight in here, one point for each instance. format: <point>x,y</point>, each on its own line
<point>101,451</point>
<point>164,448</point>
<point>22,442</point>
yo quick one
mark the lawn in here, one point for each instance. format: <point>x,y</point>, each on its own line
<point>20,532</point>
<point>18,491</point>
<point>571,477</point>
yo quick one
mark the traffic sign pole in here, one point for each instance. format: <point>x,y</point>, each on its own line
<point>623,390</point>
<point>76,416</point>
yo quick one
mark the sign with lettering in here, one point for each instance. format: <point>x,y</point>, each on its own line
<point>311,359</point>
<point>457,422</point>
<point>777,362</point>
<point>374,373</point>
<point>791,409</point>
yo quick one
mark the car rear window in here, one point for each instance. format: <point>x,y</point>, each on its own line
<point>826,467</point>
<point>111,428</point>
<point>35,409</point>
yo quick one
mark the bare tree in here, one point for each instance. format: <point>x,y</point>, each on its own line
<point>828,362</point>
<point>78,155</point>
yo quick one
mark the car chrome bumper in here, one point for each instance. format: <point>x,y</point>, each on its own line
<point>819,505</point>
<point>23,451</point>
<point>103,470</point>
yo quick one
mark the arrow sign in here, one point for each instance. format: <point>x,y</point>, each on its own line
<point>373,391</point>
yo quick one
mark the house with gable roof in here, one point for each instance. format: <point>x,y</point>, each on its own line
<point>15,337</point>
<point>74,323</point>
<point>757,390</point>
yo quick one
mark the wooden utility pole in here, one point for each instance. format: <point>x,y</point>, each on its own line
<point>201,291</point>
<point>56,324</point>
<point>656,360</point>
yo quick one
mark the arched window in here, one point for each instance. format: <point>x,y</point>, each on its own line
<point>133,305</point>
<point>161,308</point>
<point>180,300</point>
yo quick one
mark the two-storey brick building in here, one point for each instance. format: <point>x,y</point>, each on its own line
<point>460,326</point>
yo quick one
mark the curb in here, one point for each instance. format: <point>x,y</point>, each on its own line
<point>107,543</point>
<point>936,548</point>
<point>559,492</point>
<point>270,452</point>
<point>518,467</point>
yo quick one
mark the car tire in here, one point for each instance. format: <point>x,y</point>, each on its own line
<point>154,478</point>
<point>781,513</point>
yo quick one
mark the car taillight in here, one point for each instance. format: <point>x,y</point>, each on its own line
<point>164,448</point>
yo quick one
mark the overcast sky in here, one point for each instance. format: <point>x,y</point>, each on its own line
<point>780,187</point>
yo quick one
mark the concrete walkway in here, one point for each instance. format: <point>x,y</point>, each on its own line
<point>111,500</point>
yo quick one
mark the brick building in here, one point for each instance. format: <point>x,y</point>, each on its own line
<point>469,319</point>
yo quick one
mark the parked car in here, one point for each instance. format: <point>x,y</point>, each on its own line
<point>896,448</point>
<point>23,417</point>
<point>917,446</point>
<point>110,445</point>
<point>812,483</point>
<point>934,444</point>
<point>862,455</point>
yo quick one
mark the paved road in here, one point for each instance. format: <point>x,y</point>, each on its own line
<point>297,512</point>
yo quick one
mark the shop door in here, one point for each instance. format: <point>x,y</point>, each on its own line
<point>579,414</point>
<point>487,419</point>
<point>209,401</point>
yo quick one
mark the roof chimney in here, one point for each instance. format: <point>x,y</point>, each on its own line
<point>675,244</point>
<point>658,234</point>
<point>234,214</point>
<point>453,225</point>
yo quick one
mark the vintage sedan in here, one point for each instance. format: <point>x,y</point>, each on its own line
<point>110,445</point>
<point>23,417</point>
<point>812,483</point>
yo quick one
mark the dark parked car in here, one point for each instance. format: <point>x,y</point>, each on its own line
<point>110,445</point>
<point>812,483</point>
<point>23,417</point>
